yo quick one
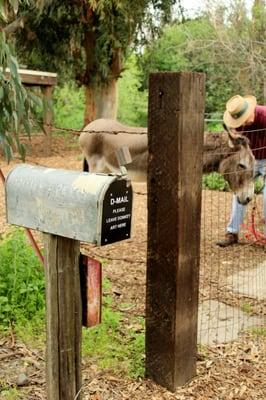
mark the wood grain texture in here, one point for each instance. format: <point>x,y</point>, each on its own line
<point>48,119</point>
<point>175,141</point>
<point>63,314</point>
<point>91,290</point>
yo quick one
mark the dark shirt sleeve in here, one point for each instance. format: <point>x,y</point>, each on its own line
<point>256,133</point>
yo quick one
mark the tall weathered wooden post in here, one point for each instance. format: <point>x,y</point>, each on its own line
<point>175,137</point>
<point>69,207</point>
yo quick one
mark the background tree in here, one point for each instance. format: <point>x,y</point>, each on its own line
<point>88,40</point>
<point>238,44</point>
<point>16,104</point>
<point>225,42</point>
<point>258,35</point>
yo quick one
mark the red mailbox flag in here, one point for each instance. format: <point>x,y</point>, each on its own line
<point>91,290</point>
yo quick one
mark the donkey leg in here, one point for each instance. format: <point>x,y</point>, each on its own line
<point>85,165</point>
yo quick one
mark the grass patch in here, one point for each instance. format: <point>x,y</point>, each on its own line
<point>247,308</point>
<point>259,331</point>
<point>9,393</point>
<point>22,302</point>
<point>115,346</point>
<point>21,282</point>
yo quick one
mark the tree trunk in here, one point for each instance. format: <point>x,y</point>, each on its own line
<point>100,92</point>
<point>100,101</point>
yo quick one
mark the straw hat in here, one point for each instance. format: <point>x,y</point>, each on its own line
<point>238,110</point>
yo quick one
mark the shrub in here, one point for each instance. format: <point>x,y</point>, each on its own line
<point>132,100</point>
<point>215,181</point>
<point>69,104</point>
<point>259,183</point>
<point>21,280</point>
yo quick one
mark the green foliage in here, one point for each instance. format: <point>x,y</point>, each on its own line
<point>213,126</point>
<point>133,102</point>
<point>22,304</point>
<point>247,308</point>
<point>259,184</point>
<point>85,40</point>
<point>259,331</point>
<point>21,281</point>
<point>112,347</point>
<point>136,352</point>
<point>69,106</point>
<point>225,46</point>
<point>215,181</point>
<point>16,104</point>
<point>186,47</point>
<point>69,100</point>
<point>8,393</point>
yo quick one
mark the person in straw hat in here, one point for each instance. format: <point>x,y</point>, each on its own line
<point>243,115</point>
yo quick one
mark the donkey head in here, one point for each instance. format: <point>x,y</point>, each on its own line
<point>238,167</point>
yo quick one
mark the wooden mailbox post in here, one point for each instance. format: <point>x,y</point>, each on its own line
<point>175,137</point>
<point>69,207</point>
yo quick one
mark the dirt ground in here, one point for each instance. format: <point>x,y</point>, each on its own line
<point>227,371</point>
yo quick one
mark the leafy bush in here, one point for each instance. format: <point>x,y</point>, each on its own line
<point>132,101</point>
<point>259,183</point>
<point>21,280</point>
<point>17,105</point>
<point>69,104</point>
<point>115,346</point>
<point>215,181</point>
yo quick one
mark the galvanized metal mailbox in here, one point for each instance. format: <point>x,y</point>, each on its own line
<point>89,207</point>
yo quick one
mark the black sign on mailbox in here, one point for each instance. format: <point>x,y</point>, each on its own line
<point>117,213</point>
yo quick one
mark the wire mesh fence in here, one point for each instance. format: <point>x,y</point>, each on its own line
<point>232,279</point>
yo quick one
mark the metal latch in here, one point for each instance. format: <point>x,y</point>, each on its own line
<point>124,158</point>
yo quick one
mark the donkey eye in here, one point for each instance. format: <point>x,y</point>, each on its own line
<point>242,166</point>
<point>241,140</point>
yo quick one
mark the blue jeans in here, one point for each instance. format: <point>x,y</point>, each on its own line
<point>238,210</point>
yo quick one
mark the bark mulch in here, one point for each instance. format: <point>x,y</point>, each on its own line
<point>229,371</point>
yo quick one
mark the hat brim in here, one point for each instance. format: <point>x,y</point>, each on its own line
<point>236,123</point>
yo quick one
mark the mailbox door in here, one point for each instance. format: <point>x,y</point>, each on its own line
<point>116,212</point>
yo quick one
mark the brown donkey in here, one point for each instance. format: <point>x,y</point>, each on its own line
<point>227,153</point>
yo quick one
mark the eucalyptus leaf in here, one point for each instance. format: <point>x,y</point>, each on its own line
<point>13,68</point>
<point>3,9</point>
<point>27,127</point>
<point>8,152</point>
<point>14,4</point>
<point>15,119</point>
<point>17,105</point>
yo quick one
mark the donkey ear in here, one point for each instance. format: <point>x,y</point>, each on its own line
<point>225,127</point>
<point>231,143</point>
<point>236,139</point>
<point>232,136</point>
